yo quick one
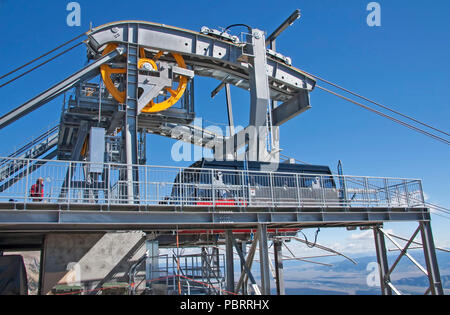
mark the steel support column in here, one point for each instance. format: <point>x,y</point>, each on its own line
<point>259,94</point>
<point>264,259</point>
<point>383,265</point>
<point>229,261</point>
<point>130,131</point>
<point>244,253</point>
<point>151,262</point>
<point>278,245</point>
<point>430,259</point>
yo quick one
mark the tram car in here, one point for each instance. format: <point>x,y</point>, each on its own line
<point>244,184</point>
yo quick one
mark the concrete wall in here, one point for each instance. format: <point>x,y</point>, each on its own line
<point>89,260</point>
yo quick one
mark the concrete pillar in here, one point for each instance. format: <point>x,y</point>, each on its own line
<point>89,260</point>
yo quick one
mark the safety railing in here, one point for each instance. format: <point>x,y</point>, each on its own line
<point>66,182</point>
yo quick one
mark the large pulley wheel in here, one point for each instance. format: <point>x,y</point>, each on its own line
<point>170,96</point>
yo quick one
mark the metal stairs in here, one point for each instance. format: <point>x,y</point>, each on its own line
<point>17,165</point>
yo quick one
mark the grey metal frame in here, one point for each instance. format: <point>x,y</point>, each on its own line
<point>431,271</point>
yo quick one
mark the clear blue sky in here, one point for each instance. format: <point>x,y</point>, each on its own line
<point>404,63</point>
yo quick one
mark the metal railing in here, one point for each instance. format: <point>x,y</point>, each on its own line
<point>68,182</point>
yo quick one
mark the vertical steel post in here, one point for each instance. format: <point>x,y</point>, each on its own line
<point>244,253</point>
<point>383,266</point>
<point>245,200</point>
<point>264,259</point>
<point>278,245</point>
<point>422,196</point>
<point>131,128</point>
<point>146,185</point>
<point>429,250</point>
<point>152,262</point>
<point>366,188</point>
<point>181,174</point>
<point>272,197</point>
<point>70,185</point>
<point>230,111</point>
<point>229,260</point>
<point>322,187</point>
<point>298,191</point>
<point>259,93</point>
<point>213,193</point>
<point>388,196</point>
<point>405,183</point>
<point>346,203</point>
<point>27,182</point>
<point>109,186</point>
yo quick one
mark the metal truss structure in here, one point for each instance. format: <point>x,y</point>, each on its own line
<point>431,271</point>
<point>100,181</point>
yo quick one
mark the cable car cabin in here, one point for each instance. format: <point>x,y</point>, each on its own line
<point>254,184</point>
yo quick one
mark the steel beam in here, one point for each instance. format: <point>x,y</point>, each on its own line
<point>229,261</point>
<point>45,217</point>
<point>280,29</point>
<point>86,73</point>
<point>130,133</point>
<point>264,259</point>
<point>209,56</point>
<point>246,269</point>
<point>429,249</point>
<point>259,93</point>
<point>383,266</point>
<point>292,108</point>
<point>151,261</point>
<point>243,266</point>
<point>229,109</point>
<point>243,279</point>
<point>278,253</point>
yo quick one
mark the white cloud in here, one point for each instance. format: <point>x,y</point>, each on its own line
<point>366,235</point>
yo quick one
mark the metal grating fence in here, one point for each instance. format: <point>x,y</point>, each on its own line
<point>68,182</point>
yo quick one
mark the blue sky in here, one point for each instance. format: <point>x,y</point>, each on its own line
<point>403,64</point>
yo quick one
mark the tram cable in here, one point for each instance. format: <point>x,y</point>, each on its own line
<point>42,56</point>
<point>376,103</point>
<point>428,134</point>
<point>40,65</point>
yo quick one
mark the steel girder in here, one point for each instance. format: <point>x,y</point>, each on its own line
<point>88,219</point>
<point>209,56</point>
<point>431,271</point>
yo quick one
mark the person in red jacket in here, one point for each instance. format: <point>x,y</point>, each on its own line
<point>37,190</point>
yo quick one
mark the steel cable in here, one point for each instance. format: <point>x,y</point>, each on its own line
<point>387,116</point>
<point>376,103</point>
<point>42,56</point>
<point>40,65</point>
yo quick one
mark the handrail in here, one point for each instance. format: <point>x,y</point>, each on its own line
<point>70,182</point>
<point>203,169</point>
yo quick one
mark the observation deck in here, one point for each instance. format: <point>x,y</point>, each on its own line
<point>166,198</point>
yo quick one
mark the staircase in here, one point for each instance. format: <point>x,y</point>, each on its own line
<point>12,167</point>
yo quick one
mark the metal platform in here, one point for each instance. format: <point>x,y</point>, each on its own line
<point>168,197</point>
<point>146,73</point>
